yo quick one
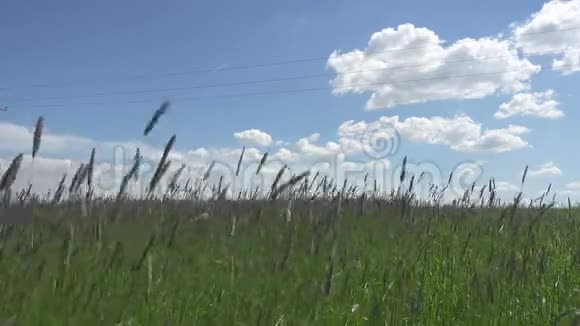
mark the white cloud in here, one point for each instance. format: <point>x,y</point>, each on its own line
<point>539,104</point>
<point>460,133</point>
<point>364,167</point>
<point>306,147</point>
<point>19,138</point>
<point>574,195</point>
<point>253,137</point>
<point>573,185</point>
<point>15,138</point>
<point>281,143</point>
<point>286,155</point>
<point>546,169</point>
<point>410,64</point>
<point>552,28</point>
<point>504,186</point>
<point>47,172</point>
<point>569,63</point>
<point>340,158</point>
<point>314,138</point>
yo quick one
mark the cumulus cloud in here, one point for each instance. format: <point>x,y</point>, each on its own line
<point>552,28</point>
<point>286,155</point>
<point>539,104</point>
<point>546,169</point>
<point>308,148</point>
<point>460,133</point>
<point>253,137</point>
<point>411,64</point>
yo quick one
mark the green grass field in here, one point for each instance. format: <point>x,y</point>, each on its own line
<point>373,262</point>
<point>301,252</point>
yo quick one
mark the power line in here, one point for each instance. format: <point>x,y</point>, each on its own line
<point>552,31</point>
<point>252,66</point>
<point>281,79</point>
<point>312,89</point>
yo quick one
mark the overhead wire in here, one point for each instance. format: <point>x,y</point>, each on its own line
<point>272,80</point>
<point>250,66</point>
<point>313,89</point>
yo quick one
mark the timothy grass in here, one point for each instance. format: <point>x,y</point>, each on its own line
<point>37,136</point>
<point>155,118</point>
<point>298,254</point>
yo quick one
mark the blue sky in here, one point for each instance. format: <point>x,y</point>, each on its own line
<point>64,59</point>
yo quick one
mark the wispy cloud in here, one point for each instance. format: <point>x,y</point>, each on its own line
<point>546,169</point>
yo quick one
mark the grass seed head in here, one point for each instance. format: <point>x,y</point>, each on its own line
<point>90,168</point>
<point>262,162</point>
<point>75,179</point>
<point>10,174</point>
<point>240,161</point>
<point>161,111</point>
<point>208,171</point>
<point>37,136</point>
<point>403,170</point>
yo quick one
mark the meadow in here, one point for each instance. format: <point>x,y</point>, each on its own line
<point>305,251</point>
